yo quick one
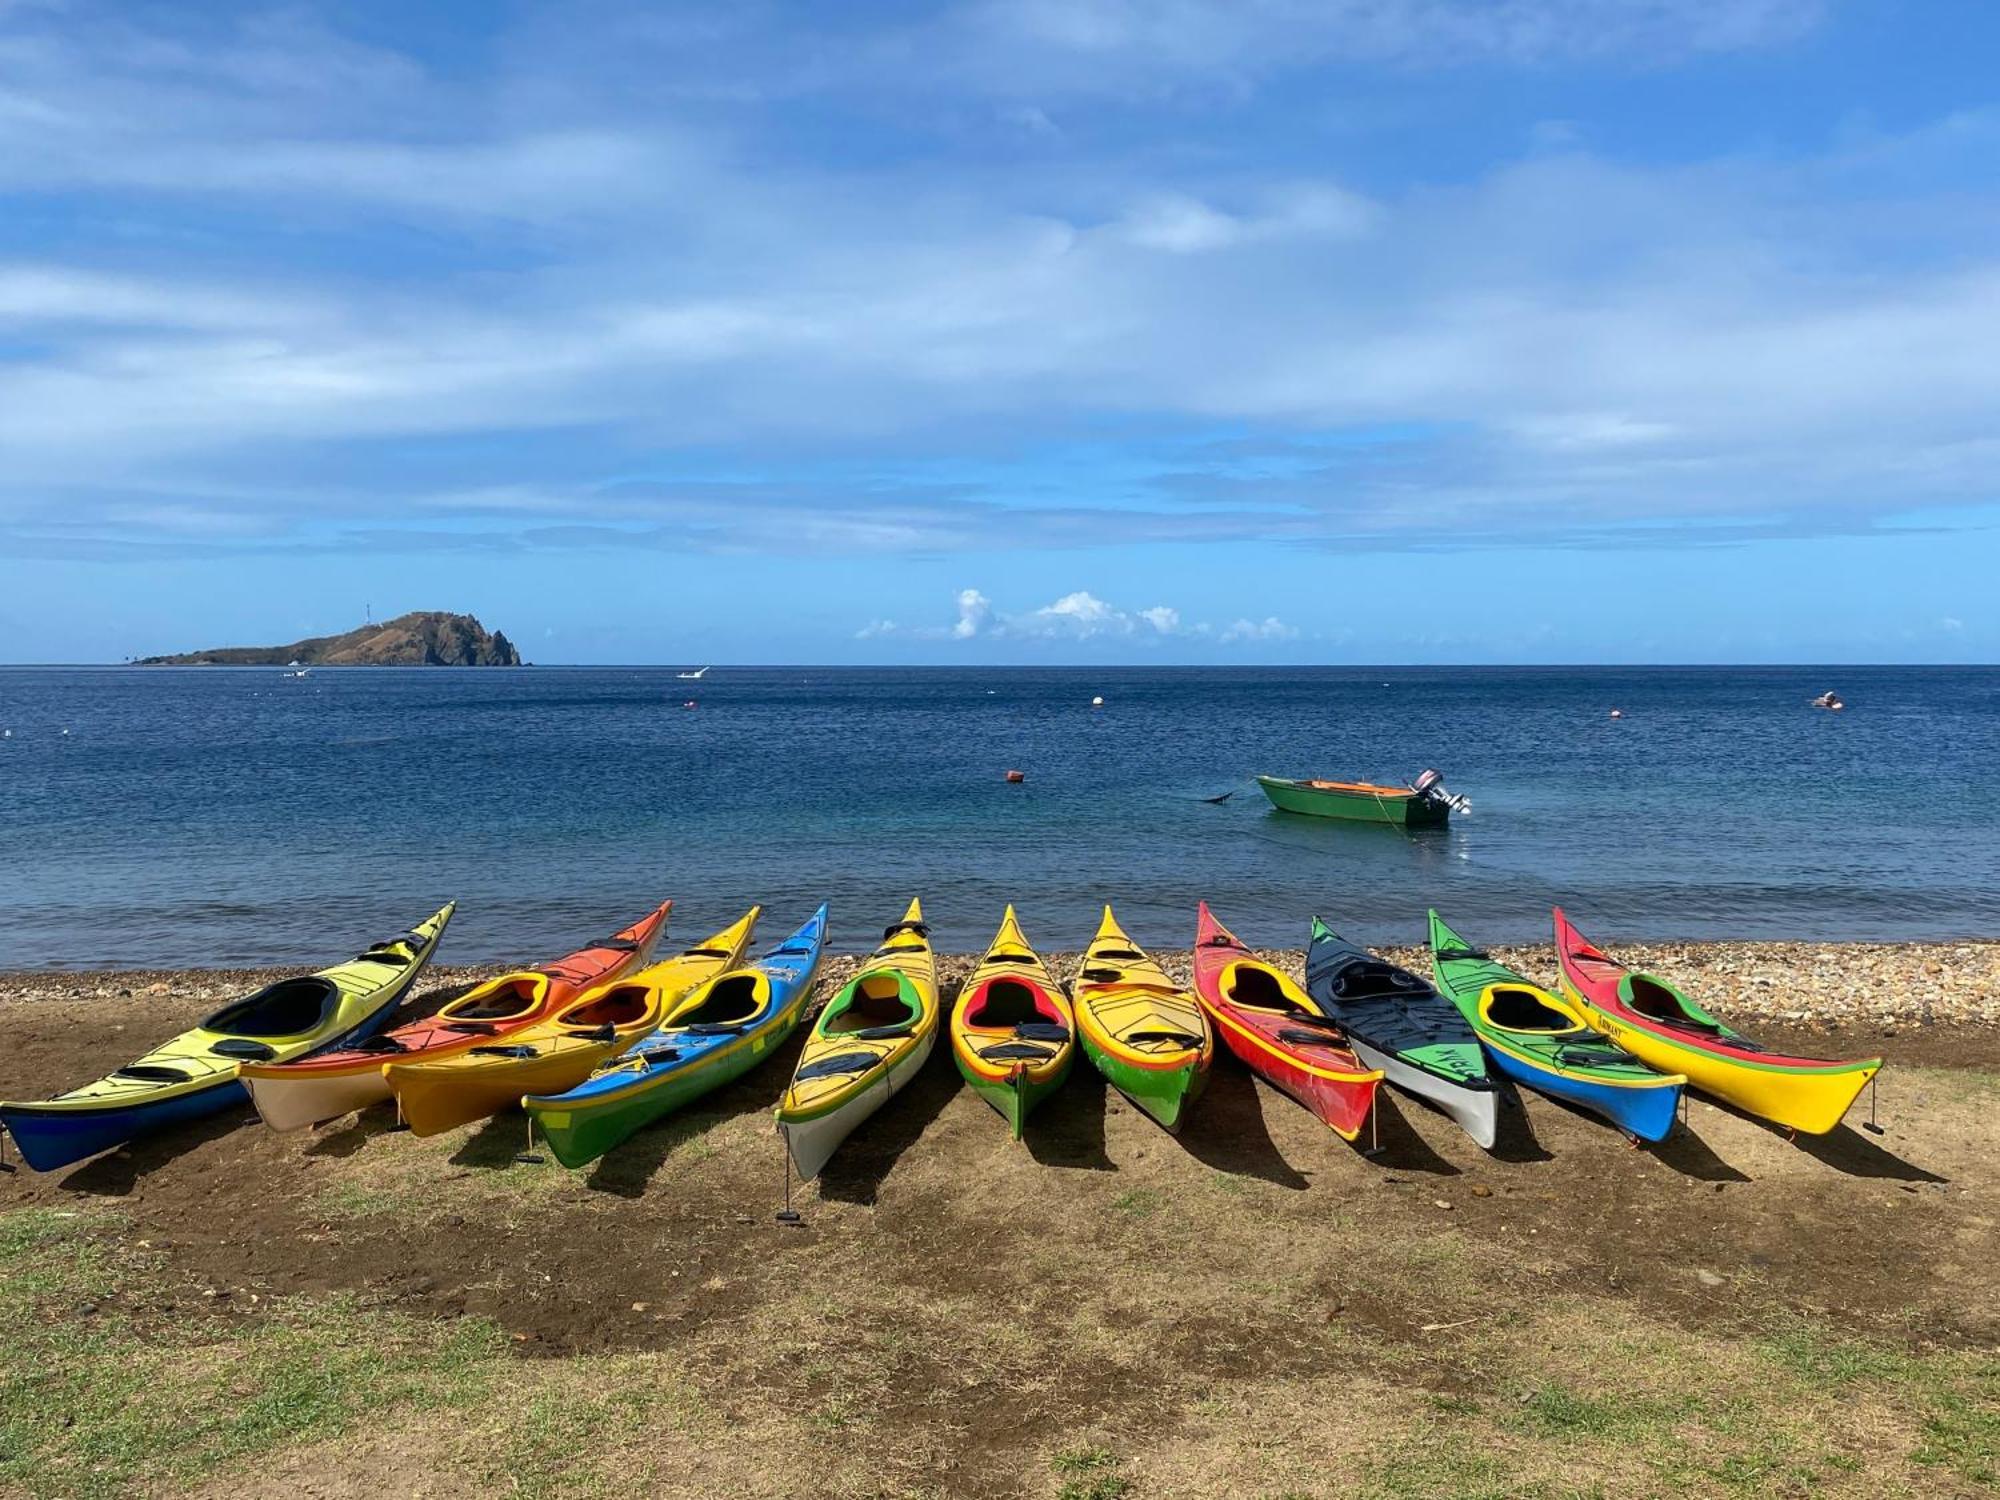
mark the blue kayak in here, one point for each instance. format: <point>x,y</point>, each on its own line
<point>720,1031</point>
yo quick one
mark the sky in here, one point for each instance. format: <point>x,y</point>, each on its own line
<point>998,331</point>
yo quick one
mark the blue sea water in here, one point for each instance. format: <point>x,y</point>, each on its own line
<point>213,816</point>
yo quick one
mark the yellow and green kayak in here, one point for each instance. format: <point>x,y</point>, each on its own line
<point>872,1039</point>
<point>1144,1033</point>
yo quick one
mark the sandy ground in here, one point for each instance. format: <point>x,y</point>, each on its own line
<point>1255,1308</point>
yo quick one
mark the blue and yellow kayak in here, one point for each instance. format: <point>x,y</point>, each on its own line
<point>196,1074</point>
<point>1542,1041</point>
<point>716,1033</point>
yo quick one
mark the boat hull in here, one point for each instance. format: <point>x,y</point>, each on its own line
<point>1475,1110</point>
<point>50,1139</point>
<point>1392,805</point>
<point>1646,1110</point>
<point>1164,1093</point>
<point>810,1143</point>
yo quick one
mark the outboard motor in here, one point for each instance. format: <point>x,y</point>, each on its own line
<point>1430,786</point>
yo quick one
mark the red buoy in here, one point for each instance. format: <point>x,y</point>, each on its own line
<point>1017,776</point>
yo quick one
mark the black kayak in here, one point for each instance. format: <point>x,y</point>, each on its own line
<point>1399,1023</point>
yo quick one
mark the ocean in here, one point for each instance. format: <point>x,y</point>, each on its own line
<point>216,817</point>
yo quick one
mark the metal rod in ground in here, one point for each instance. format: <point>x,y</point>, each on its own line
<point>787,1215</point>
<point>527,1153</point>
<point>1873,1127</point>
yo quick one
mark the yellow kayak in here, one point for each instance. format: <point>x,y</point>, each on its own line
<point>1146,1034</point>
<point>871,1039</point>
<point>552,1056</point>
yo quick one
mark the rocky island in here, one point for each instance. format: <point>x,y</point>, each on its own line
<point>424,638</point>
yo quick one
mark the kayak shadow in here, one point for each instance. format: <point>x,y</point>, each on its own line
<point>628,1168</point>
<point>117,1172</point>
<point>360,1129</point>
<point>1068,1129</point>
<point>1514,1139</point>
<point>1228,1131</point>
<point>1397,1143</point>
<point>494,1145</point>
<point>865,1158</point>
<point>1691,1156</point>
<point>1843,1148</point>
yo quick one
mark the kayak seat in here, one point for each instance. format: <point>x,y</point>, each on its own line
<point>621,1005</point>
<point>1008,1002</point>
<point>731,1000</point>
<point>283,1009</point>
<point>1518,1010</point>
<point>834,1066</point>
<point>243,1049</point>
<point>1259,989</point>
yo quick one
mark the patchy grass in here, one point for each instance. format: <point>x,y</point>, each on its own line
<point>1090,1474</point>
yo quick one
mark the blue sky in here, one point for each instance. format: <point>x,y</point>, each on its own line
<point>1006,330</point>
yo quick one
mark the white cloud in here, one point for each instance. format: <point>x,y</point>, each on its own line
<point>1165,621</point>
<point>974,610</point>
<point>1270,628</point>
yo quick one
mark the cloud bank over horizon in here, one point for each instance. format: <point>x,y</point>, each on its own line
<point>1182,281</point>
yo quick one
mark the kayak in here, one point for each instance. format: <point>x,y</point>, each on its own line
<point>1143,1032</point>
<point>872,1038</point>
<point>1398,1022</point>
<point>1012,1032</point>
<point>440,1093</point>
<point>1537,1039</point>
<point>196,1074</point>
<point>1284,1036</point>
<point>714,1035</point>
<point>293,1095</point>
<point>1657,1023</point>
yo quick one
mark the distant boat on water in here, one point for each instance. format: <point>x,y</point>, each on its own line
<point>694,676</point>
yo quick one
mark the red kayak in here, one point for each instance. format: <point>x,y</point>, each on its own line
<point>1663,1028</point>
<point>1275,1027</point>
<point>291,1096</point>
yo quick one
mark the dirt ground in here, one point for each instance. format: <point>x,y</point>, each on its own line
<point>1255,1308</point>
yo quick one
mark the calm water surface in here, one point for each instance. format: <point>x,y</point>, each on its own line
<point>195,817</point>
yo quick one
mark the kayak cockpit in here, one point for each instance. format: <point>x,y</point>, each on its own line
<point>1003,1004</point>
<point>287,1008</point>
<point>621,1005</point>
<point>1372,979</point>
<point>731,1001</point>
<point>516,995</point>
<point>1659,1001</point>
<point>1514,1007</point>
<point>1258,988</point>
<point>872,1002</point>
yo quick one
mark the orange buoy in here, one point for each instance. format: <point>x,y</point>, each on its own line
<point>1017,776</point>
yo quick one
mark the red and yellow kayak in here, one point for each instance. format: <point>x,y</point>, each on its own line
<point>291,1096</point>
<point>1279,1031</point>
<point>1658,1024</point>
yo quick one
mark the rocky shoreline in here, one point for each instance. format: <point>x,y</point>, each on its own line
<point>1832,986</point>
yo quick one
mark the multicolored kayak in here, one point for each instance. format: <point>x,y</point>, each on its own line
<point>714,1035</point>
<point>1012,1032</point>
<point>1658,1024</point>
<point>293,1095</point>
<point>1398,1022</point>
<point>196,1073</point>
<point>1278,1030</point>
<point>872,1038</point>
<point>1143,1032</point>
<point>439,1093</point>
<point>1537,1039</point>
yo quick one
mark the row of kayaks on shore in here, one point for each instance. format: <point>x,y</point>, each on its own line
<point>598,1044</point>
